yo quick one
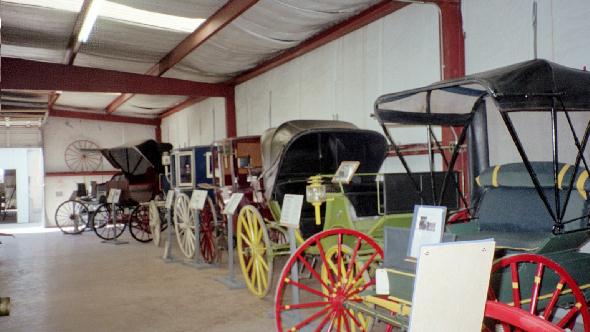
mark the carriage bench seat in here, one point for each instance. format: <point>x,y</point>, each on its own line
<point>511,211</point>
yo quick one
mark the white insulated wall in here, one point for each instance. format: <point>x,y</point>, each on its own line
<point>199,124</point>
<point>342,79</point>
<point>59,132</point>
<point>499,33</point>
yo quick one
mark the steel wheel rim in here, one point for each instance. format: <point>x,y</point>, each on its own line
<point>71,217</point>
<point>139,224</point>
<point>545,269</point>
<point>329,311</point>
<point>103,224</point>
<point>207,239</point>
<point>155,222</point>
<point>184,226</point>
<point>254,251</point>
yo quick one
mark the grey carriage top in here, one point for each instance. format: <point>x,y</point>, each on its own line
<point>301,148</point>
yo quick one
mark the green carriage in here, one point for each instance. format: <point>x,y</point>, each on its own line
<point>534,206</point>
<point>301,155</point>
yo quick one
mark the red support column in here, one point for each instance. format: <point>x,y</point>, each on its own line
<point>158,134</point>
<point>230,113</point>
<point>453,61</point>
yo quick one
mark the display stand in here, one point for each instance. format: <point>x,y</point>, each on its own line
<point>290,216</point>
<point>113,199</point>
<point>230,280</point>
<point>168,257</point>
<point>196,204</point>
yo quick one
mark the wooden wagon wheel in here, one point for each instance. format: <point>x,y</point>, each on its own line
<point>184,225</point>
<point>155,222</point>
<point>207,236</point>
<point>83,156</point>
<point>72,217</point>
<point>254,251</point>
<point>509,319</point>
<point>108,225</point>
<point>546,275</point>
<point>139,224</point>
<point>320,309</point>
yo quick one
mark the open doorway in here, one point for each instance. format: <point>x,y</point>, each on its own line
<point>21,185</point>
<point>8,198</point>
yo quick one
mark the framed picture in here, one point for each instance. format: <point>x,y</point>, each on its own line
<point>185,166</point>
<point>428,226</point>
<point>345,172</point>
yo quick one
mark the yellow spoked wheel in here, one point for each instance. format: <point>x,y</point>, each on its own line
<point>343,271</point>
<point>254,251</point>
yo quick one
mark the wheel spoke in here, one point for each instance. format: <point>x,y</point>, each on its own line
<point>536,288</point>
<point>307,305</point>
<point>323,257</point>
<point>311,270</point>
<point>363,269</point>
<point>515,285</point>
<point>549,308</point>
<point>307,289</point>
<point>311,319</point>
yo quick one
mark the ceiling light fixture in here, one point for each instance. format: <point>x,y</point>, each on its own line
<point>89,20</point>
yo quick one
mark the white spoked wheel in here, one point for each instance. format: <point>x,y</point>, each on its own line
<point>155,222</point>
<point>184,225</point>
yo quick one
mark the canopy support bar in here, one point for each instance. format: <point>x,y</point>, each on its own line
<point>528,165</point>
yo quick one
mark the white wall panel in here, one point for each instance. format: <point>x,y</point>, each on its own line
<point>499,33</point>
<point>58,133</point>
<point>200,124</point>
<point>343,78</point>
<point>19,137</point>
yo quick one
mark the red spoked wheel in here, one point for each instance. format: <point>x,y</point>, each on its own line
<point>551,288</point>
<point>139,224</point>
<point>346,261</point>
<point>208,222</point>
<point>513,319</point>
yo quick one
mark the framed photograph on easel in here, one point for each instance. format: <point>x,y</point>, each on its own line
<point>428,225</point>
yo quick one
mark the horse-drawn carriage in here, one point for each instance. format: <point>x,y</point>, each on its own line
<point>139,181</point>
<point>536,210</point>
<point>227,166</point>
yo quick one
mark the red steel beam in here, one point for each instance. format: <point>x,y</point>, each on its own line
<point>230,114</point>
<point>21,74</point>
<point>89,173</point>
<point>351,24</point>
<point>182,105</point>
<point>102,117</point>
<point>226,14</point>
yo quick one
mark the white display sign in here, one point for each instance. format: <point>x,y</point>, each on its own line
<point>169,199</point>
<point>427,227</point>
<point>198,199</point>
<point>291,210</point>
<point>232,204</point>
<point>381,282</point>
<point>114,196</point>
<point>440,272</point>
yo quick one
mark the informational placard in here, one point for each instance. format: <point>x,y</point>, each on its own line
<point>232,203</point>
<point>169,199</point>
<point>291,210</point>
<point>440,273</point>
<point>198,199</point>
<point>114,196</point>
<point>345,172</point>
<point>427,227</point>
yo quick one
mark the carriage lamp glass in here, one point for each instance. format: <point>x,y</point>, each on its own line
<point>315,194</point>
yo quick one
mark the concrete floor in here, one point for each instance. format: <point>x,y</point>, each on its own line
<point>76,283</point>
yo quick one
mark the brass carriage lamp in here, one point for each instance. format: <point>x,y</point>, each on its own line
<point>315,194</point>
